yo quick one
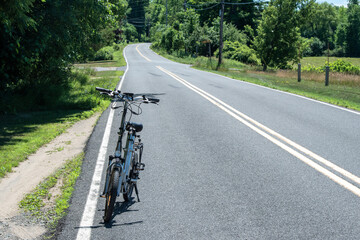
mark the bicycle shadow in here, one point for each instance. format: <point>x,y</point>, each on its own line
<point>121,207</point>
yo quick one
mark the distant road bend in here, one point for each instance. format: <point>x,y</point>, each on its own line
<point>225,159</point>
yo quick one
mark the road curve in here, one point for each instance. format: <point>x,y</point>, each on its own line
<point>225,159</point>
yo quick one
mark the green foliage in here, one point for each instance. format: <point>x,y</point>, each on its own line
<point>339,65</point>
<point>130,32</point>
<point>340,35</point>
<point>105,53</point>
<point>22,135</point>
<point>42,39</point>
<point>321,23</point>
<point>41,204</point>
<point>172,39</point>
<point>344,67</point>
<point>353,29</point>
<point>155,12</point>
<point>187,35</point>
<point>136,16</point>
<point>316,47</point>
<point>278,37</point>
<point>336,93</point>
<point>240,52</point>
<point>338,52</point>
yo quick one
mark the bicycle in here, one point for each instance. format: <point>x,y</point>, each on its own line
<point>124,166</point>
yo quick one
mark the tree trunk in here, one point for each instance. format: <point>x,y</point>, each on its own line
<point>264,67</point>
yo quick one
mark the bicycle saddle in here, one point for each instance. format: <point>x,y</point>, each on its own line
<point>136,126</point>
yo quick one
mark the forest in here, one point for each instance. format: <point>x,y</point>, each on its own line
<point>274,33</point>
<point>42,39</point>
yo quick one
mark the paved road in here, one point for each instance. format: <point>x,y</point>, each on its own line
<point>227,160</point>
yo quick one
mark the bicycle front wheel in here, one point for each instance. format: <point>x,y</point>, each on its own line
<point>111,195</point>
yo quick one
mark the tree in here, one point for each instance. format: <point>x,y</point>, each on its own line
<point>43,38</point>
<point>235,13</point>
<point>278,37</point>
<point>136,16</point>
<point>353,29</point>
<point>321,23</point>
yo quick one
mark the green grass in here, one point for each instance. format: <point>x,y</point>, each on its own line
<point>320,61</point>
<point>103,63</point>
<point>22,134</point>
<point>344,90</point>
<point>345,96</point>
<point>109,74</point>
<point>116,62</point>
<point>45,205</point>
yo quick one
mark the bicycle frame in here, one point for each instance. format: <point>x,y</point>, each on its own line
<point>122,164</point>
<point>122,172</point>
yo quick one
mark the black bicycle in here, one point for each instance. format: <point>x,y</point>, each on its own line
<point>124,166</point>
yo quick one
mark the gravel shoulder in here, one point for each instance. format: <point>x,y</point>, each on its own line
<point>13,222</point>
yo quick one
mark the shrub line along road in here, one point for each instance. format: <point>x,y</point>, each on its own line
<point>224,160</point>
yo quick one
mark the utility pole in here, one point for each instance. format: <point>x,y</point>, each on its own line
<point>185,5</point>
<point>166,13</point>
<point>221,33</point>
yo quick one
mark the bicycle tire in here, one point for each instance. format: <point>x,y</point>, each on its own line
<point>132,175</point>
<point>111,195</point>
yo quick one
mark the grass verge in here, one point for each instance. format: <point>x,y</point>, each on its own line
<point>342,92</point>
<point>22,134</point>
<point>50,199</point>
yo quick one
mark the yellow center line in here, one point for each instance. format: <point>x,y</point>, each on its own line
<point>249,122</point>
<point>142,54</point>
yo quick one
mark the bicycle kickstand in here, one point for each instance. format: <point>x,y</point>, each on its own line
<point>137,193</point>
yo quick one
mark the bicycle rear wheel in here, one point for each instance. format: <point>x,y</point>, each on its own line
<point>111,195</point>
<point>133,177</point>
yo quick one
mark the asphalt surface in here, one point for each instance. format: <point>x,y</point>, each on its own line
<point>210,176</point>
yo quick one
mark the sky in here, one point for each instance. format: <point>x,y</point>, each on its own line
<point>335,2</point>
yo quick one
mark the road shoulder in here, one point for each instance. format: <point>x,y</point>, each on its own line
<point>31,172</point>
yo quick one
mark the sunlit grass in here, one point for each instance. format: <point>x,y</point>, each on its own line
<point>49,207</point>
<point>320,61</point>
<point>22,134</point>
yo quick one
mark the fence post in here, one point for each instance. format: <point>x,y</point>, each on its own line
<point>299,72</point>
<point>327,75</point>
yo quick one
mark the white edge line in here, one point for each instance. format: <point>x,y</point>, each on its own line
<point>301,157</point>
<point>272,89</point>
<point>277,90</point>
<point>87,219</point>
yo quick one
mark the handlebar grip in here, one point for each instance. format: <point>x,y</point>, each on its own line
<point>155,100</point>
<point>103,90</point>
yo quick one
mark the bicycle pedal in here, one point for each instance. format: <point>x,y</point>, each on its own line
<point>140,166</point>
<point>102,195</point>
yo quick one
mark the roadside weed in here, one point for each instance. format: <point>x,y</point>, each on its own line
<point>49,207</point>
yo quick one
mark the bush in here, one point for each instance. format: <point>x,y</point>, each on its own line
<point>316,47</point>
<point>116,47</point>
<point>105,53</point>
<point>337,52</point>
<point>240,52</point>
<point>344,67</point>
<point>339,65</point>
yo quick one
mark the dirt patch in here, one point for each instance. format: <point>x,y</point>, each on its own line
<point>31,172</point>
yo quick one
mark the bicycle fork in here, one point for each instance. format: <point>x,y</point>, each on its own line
<point>112,164</point>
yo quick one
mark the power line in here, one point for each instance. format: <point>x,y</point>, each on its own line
<point>200,5</point>
<point>203,9</point>
<point>244,3</point>
<point>216,4</point>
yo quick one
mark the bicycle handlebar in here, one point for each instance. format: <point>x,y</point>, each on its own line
<point>128,96</point>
